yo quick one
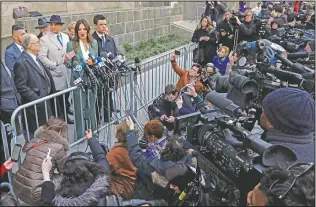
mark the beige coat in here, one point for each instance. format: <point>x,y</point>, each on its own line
<point>29,178</point>
<point>51,54</point>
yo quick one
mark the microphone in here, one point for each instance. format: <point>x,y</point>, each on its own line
<point>297,55</point>
<point>224,104</point>
<point>76,66</point>
<point>110,55</point>
<point>87,69</point>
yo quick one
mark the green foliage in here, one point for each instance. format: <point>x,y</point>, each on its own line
<point>154,46</point>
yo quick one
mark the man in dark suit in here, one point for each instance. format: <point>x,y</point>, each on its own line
<point>33,82</point>
<point>14,50</point>
<point>10,100</point>
<point>106,44</point>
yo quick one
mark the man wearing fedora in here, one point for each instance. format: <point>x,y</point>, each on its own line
<point>53,55</point>
<point>43,27</point>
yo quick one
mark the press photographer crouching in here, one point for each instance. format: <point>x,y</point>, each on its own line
<point>285,186</point>
<point>288,119</point>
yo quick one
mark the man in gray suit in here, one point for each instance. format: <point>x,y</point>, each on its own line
<point>14,50</point>
<point>53,55</point>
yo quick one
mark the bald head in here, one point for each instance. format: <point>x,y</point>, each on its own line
<point>31,43</point>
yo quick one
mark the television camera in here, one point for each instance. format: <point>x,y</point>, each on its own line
<point>228,155</point>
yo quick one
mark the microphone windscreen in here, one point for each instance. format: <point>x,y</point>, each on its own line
<point>103,54</point>
<point>75,64</point>
<point>137,60</point>
<point>89,61</point>
<point>98,59</point>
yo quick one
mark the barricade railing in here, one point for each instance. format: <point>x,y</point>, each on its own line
<point>132,91</point>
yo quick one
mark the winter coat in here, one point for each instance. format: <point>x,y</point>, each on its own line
<point>28,179</point>
<point>184,78</point>
<point>247,32</point>
<point>146,167</point>
<point>91,197</point>
<point>221,65</point>
<point>209,46</point>
<point>303,146</point>
<point>123,174</point>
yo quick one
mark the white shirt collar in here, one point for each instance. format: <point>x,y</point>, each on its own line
<point>20,47</point>
<point>84,53</point>
<point>100,35</point>
<point>33,56</point>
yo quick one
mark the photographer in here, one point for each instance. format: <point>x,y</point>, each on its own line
<point>209,76</point>
<point>247,29</point>
<point>288,119</point>
<point>280,186</point>
<point>227,29</point>
<point>275,24</point>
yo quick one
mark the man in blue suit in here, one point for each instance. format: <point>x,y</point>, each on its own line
<point>14,50</point>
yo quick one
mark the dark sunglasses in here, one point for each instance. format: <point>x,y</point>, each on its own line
<point>308,167</point>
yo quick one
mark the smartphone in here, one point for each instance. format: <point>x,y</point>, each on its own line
<point>177,52</point>
<point>16,152</point>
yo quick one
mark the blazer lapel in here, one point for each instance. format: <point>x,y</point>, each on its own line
<point>17,50</point>
<point>53,38</point>
<point>35,66</point>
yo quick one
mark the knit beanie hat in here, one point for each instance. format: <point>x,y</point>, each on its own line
<point>180,175</point>
<point>290,110</point>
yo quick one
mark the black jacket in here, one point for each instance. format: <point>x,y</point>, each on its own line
<point>247,32</point>
<point>109,46</point>
<point>303,146</point>
<point>47,194</point>
<point>209,46</point>
<point>145,169</point>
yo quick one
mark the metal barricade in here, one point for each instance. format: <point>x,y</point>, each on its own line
<point>132,91</point>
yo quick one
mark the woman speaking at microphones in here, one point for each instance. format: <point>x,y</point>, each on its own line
<point>83,45</point>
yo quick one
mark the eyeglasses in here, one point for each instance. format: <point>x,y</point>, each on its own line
<point>309,166</point>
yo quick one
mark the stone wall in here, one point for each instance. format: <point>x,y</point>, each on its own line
<point>126,25</point>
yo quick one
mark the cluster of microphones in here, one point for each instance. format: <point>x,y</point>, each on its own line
<point>99,71</point>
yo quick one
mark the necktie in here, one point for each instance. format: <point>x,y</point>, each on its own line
<point>59,39</point>
<point>103,41</point>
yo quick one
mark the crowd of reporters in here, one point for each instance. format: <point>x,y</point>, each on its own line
<point>157,169</point>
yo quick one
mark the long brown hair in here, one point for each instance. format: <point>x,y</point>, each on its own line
<point>76,38</point>
<point>208,27</point>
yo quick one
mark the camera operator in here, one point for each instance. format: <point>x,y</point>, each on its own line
<point>288,119</point>
<point>264,13</point>
<point>247,29</point>
<point>227,29</point>
<point>209,76</point>
<point>285,186</point>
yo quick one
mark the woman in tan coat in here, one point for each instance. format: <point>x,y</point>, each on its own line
<point>28,179</point>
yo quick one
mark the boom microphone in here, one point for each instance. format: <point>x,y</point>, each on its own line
<point>224,104</point>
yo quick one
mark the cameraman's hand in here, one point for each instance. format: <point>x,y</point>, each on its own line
<point>192,90</point>
<point>88,134</point>
<point>129,123</point>
<point>171,119</point>
<point>238,21</point>
<point>230,36</point>
<point>163,117</point>
<point>69,55</point>
<point>172,56</point>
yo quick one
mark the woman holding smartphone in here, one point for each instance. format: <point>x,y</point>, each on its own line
<point>51,138</point>
<point>83,45</point>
